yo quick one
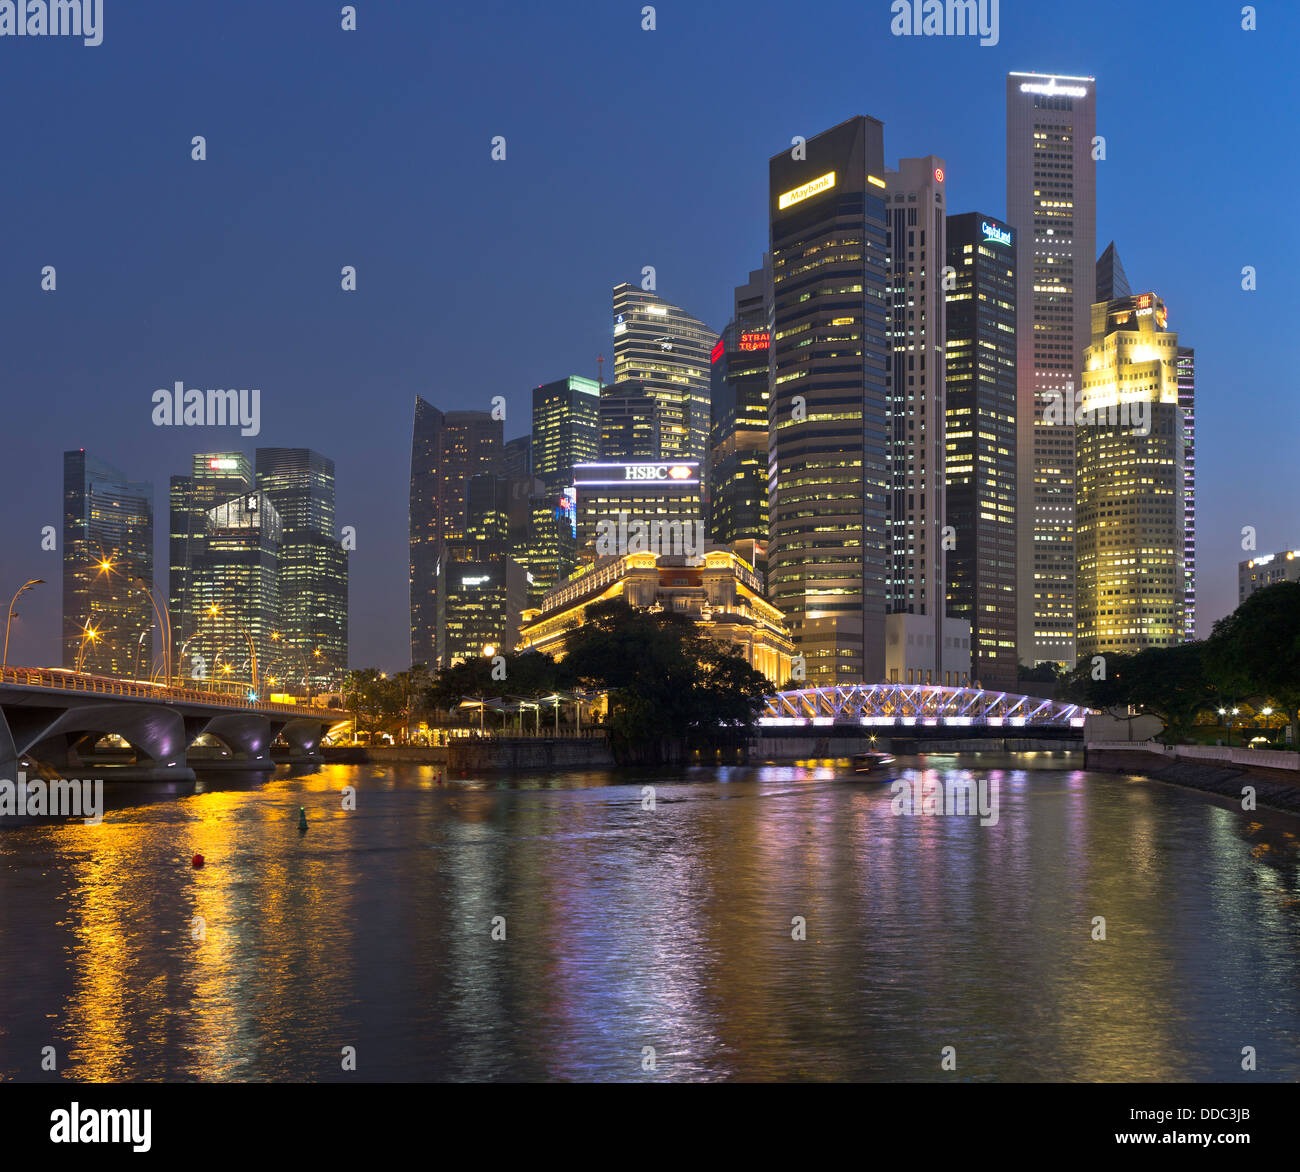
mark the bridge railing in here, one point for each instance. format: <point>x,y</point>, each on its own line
<point>71,681</point>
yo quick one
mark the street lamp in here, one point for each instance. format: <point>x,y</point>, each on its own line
<point>88,635</point>
<point>12,614</point>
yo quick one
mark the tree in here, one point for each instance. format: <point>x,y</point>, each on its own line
<point>670,688</point>
<point>1255,651</point>
<point>372,698</point>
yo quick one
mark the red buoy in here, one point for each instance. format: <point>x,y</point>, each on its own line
<point>197,862</point>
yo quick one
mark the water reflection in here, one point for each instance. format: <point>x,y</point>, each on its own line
<point>565,927</point>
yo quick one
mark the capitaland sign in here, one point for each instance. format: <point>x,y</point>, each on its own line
<point>807,191</point>
<point>1052,89</point>
<point>995,235</point>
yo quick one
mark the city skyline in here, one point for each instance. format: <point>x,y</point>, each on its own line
<point>364,420</point>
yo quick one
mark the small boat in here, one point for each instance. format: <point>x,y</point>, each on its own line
<point>871,762</point>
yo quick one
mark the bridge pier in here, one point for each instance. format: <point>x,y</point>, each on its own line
<point>155,732</point>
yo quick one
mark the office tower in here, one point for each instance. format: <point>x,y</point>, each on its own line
<point>738,505</point>
<point>214,478</point>
<point>447,450</point>
<point>1052,205</point>
<point>1266,569</point>
<point>518,459</point>
<point>632,422</point>
<point>313,635</point>
<point>548,551</point>
<point>1187,402</point>
<point>234,578</point>
<point>1129,430</point>
<point>1112,280</point>
<point>981,442</point>
<point>828,411</point>
<point>667,350</point>
<point>923,645</point>
<point>565,429</point>
<point>107,547</point>
<point>661,501</point>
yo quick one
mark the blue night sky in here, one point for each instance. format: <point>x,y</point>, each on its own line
<point>624,148</point>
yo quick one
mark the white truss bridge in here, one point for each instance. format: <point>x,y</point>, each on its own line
<point>916,705</point>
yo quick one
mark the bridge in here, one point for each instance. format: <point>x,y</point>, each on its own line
<point>908,706</point>
<point>55,721</point>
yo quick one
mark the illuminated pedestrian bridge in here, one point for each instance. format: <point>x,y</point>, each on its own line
<point>915,706</point>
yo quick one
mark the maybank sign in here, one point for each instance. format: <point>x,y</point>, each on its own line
<point>995,235</point>
<point>799,194</point>
<point>1052,90</point>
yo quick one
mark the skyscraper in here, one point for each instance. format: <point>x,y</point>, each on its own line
<point>1112,280</point>
<point>738,508</point>
<point>519,456</point>
<point>565,429</point>
<point>828,410</point>
<point>234,581</point>
<point>1187,402</point>
<point>312,638</point>
<point>631,422</point>
<point>215,477</point>
<point>667,350</point>
<point>1052,205</point>
<point>981,442</point>
<point>1130,458</point>
<point>447,449</point>
<point>107,546</point>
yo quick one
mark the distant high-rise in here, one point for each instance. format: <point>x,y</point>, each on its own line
<point>234,578</point>
<point>738,508</point>
<point>519,456</point>
<point>1131,592</point>
<point>632,422</point>
<point>565,429</point>
<point>214,478</point>
<point>313,631</point>
<point>1052,205</point>
<point>981,442</point>
<point>828,411</point>
<point>107,546</point>
<point>1112,280</point>
<point>1187,401</point>
<point>447,450</point>
<point>667,350</point>
<point>1266,569</point>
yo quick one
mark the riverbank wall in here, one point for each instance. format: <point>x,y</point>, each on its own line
<point>385,754</point>
<point>1275,776</point>
<point>526,754</point>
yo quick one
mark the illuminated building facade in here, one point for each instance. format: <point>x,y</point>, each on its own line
<point>980,442</point>
<point>107,544</point>
<point>920,639</point>
<point>1131,592</point>
<point>448,449</point>
<point>632,423</point>
<point>313,631</point>
<point>548,551</point>
<point>1187,401</point>
<point>566,429</point>
<point>235,588</point>
<point>720,591</point>
<point>661,496</point>
<point>1052,205</point>
<point>667,350</point>
<point>1267,570</point>
<point>738,504</point>
<point>828,410</point>
<point>518,459</point>
<point>214,478</point>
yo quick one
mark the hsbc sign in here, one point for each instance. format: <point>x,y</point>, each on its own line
<point>657,472</point>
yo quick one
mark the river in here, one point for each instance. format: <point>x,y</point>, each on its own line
<point>651,937</point>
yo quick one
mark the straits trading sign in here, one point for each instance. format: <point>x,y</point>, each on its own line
<point>799,194</point>
<point>662,472</point>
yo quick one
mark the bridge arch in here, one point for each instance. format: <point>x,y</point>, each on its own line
<point>915,706</point>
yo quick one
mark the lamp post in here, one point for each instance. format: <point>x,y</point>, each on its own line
<point>12,614</point>
<point>88,635</point>
<point>252,647</point>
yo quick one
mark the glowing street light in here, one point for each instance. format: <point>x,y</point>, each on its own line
<point>13,614</point>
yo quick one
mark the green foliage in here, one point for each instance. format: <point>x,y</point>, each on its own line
<point>671,689</point>
<point>526,676</point>
<point>373,699</point>
<point>1254,653</point>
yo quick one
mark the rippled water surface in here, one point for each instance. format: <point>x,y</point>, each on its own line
<point>627,928</point>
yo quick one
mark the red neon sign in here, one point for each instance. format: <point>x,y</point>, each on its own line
<point>717,351</point>
<point>757,340</point>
